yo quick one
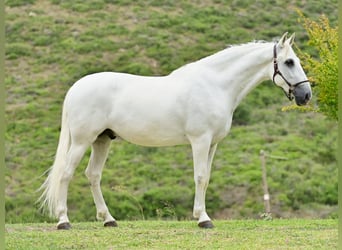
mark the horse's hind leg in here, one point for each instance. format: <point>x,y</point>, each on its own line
<point>74,157</point>
<point>97,160</point>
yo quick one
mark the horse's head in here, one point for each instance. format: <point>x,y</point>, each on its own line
<point>288,73</point>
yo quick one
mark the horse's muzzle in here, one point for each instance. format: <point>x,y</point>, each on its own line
<point>302,94</point>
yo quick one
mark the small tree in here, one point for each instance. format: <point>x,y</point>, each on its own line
<point>322,68</point>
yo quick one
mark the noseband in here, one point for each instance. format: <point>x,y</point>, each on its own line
<point>277,72</point>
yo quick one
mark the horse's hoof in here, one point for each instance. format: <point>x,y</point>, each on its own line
<point>64,226</point>
<point>206,224</point>
<point>111,224</point>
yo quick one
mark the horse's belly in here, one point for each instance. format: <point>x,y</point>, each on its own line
<point>151,137</point>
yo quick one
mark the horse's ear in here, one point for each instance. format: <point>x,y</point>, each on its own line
<point>291,39</point>
<point>282,40</point>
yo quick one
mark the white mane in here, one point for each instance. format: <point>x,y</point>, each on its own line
<point>233,52</point>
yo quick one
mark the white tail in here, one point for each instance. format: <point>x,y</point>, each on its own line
<point>51,186</point>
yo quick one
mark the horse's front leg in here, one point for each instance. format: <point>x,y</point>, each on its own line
<point>97,160</point>
<point>203,153</point>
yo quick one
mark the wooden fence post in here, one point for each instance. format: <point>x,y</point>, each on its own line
<point>264,182</point>
<point>263,155</point>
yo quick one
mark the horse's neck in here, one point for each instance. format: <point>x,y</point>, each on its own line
<point>240,69</point>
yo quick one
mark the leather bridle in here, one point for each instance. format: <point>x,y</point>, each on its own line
<point>277,72</point>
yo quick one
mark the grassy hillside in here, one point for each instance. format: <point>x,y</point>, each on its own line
<point>52,43</point>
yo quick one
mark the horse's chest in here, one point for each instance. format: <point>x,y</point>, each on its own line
<point>215,121</point>
<point>221,128</point>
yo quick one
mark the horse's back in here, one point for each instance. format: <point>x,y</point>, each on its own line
<point>143,110</point>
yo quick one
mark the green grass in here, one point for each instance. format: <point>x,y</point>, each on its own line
<point>51,44</point>
<point>231,234</point>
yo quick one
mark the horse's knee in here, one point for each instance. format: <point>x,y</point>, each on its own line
<point>94,178</point>
<point>88,173</point>
<point>202,180</point>
<point>66,176</point>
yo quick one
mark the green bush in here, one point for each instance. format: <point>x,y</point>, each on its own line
<point>324,68</point>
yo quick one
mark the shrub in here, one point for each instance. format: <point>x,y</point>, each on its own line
<point>16,3</point>
<point>323,69</point>
<point>167,202</point>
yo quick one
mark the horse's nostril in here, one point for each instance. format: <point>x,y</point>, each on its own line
<point>307,97</point>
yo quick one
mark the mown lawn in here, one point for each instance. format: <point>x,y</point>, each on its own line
<point>227,234</point>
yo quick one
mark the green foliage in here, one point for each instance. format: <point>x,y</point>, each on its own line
<point>51,45</point>
<point>16,3</point>
<point>165,202</point>
<point>324,68</point>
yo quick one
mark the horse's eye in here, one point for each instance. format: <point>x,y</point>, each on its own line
<point>289,62</point>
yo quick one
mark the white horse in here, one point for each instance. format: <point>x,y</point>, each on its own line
<point>192,105</point>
